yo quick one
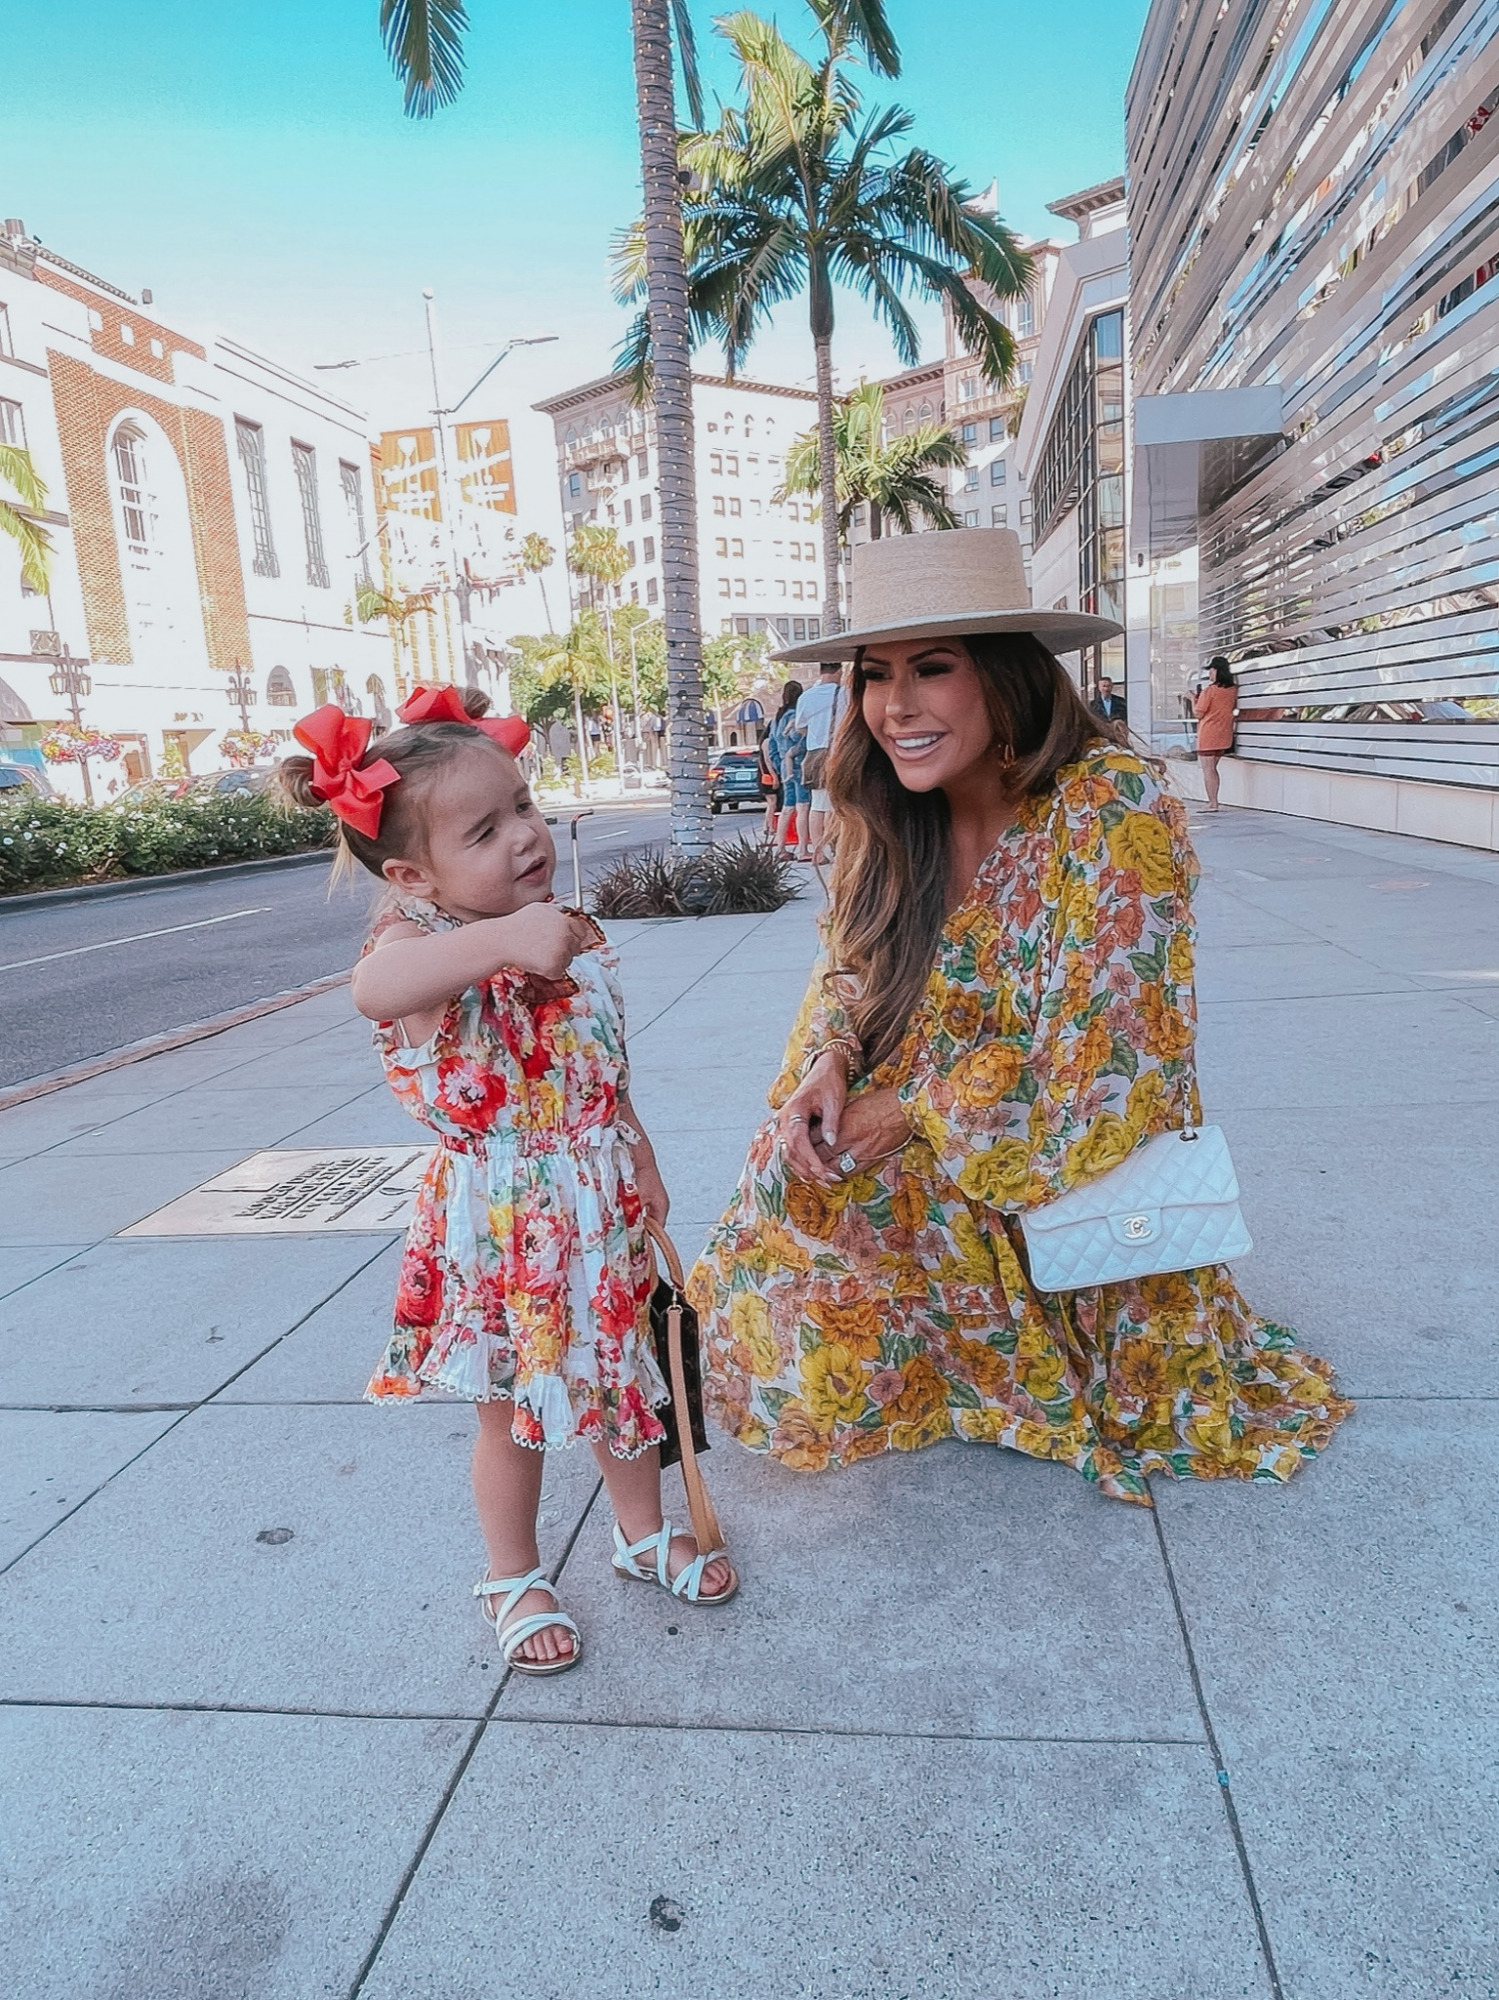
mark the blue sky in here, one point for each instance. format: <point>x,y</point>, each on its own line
<point>252,166</point>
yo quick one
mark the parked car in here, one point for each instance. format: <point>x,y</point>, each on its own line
<point>734,780</point>
<point>18,778</point>
<point>226,784</point>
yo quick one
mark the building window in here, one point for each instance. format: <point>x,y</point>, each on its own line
<point>648,549</point>
<point>12,424</point>
<point>353,488</point>
<point>970,433</point>
<point>732,463</point>
<point>643,463</point>
<point>739,590</point>
<point>715,463</point>
<point>7,345</point>
<point>971,518</point>
<point>630,552</point>
<point>996,429</point>
<point>997,473</point>
<point>724,586</point>
<point>575,485</point>
<point>736,549</point>
<point>629,514</point>
<point>1025,513</point>
<point>718,506</point>
<point>998,516</point>
<point>968,388</point>
<point>374,687</point>
<point>135,505</point>
<point>158,350</point>
<point>721,545</point>
<point>127,333</point>
<point>971,480</point>
<point>647,507</point>
<point>734,507</point>
<point>1023,372</point>
<point>1025,318</point>
<point>279,689</point>
<point>650,590</point>
<point>305,460</point>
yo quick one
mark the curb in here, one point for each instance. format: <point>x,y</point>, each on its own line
<point>86,892</point>
<point>157,1045</point>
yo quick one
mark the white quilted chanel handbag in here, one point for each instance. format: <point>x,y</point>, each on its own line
<point>1171,1206</point>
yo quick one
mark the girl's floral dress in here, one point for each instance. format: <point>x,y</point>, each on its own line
<point>526,1274</point>
<point>895,1309</point>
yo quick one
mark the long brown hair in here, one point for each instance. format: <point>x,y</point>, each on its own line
<point>889,892</point>
<point>419,751</point>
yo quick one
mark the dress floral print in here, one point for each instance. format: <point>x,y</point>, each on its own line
<point>895,1309</point>
<point>526,1274</point>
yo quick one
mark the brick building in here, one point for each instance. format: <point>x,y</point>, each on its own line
<point>211,514</point>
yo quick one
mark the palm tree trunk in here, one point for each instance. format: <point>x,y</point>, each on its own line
<point>545,602</point>
<point>671,349</point>
<point>827,464</point>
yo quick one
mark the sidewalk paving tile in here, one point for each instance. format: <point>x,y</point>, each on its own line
<point>18,1267</point>
<point>153,1321</point>
<point>44,1122</point>
<point>1380,1251</point>
<point>203,1115</point>
<point>205,1857</point>
<point>1347,1634</point>
<point>372,1119</point>
<point>331,1357</point>
<point>1302,971</point>
<point>881,1868</point>
<point>51,1460</point>
<point>1364,1051</point>
<point>58,1197</point>
<point>960,1588</point>
<point>367,1608</point>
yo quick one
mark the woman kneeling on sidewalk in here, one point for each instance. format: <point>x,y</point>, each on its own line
<point>1005,1012</point>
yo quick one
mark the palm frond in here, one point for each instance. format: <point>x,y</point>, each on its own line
<point>627,270</point>
<point>18,470</point>
<point>692,76</point>
<point>424,40</point>
<point>34,543</point>
<point>862,22</point>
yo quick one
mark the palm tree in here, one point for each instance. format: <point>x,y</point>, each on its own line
<point>799,188</point>
<point>893,476</point>
<point>577,659</point>
<point>536,556</point>
<point>398,608</point>
<point>424,39</point>
<point>18,516</point>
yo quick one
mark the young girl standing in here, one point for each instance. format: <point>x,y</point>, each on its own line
<point>526,1278</point>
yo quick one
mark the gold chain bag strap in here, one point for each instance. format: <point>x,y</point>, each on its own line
<point>673,1322</point>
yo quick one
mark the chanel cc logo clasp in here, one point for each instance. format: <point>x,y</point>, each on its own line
<point>1137,1228</point>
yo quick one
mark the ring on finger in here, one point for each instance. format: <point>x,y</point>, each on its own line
<point>795,1118</point>
<point>847,1164</point>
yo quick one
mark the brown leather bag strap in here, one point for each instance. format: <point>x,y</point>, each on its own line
<point>705,1528</point>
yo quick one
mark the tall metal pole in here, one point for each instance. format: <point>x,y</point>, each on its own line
<point>635,695</point>
<point>447,497</point>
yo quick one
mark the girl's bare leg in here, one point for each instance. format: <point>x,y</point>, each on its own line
<point>803,834</point>
<point>507,1493</point>
<point>635,1494</point>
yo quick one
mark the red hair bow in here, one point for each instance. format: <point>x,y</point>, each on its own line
<point>445,704</point>
<point>338,743</point>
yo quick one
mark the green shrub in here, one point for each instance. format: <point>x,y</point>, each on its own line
<point>48,842</point>
<point>735,878</point>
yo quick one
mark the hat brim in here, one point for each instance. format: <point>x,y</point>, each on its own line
<point>1060,631</point>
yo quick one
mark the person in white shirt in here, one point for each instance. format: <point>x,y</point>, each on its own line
<point>817,716</point>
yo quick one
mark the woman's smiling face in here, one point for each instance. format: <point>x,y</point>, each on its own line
<point>924,704</point>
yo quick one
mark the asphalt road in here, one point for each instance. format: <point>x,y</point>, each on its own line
<point>79,979</point>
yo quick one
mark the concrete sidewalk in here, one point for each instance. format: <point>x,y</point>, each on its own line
<point>969,1729</point>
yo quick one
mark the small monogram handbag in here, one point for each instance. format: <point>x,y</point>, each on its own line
<point>1173,1205</point>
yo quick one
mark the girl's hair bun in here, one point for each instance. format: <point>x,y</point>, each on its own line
<point>475,702</point>
<point>294,782</point>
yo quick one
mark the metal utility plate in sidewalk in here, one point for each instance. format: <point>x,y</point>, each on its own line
<point>298,1191</point>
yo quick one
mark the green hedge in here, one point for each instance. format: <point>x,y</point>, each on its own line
<point>47,842</point>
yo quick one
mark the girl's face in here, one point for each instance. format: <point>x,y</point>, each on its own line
<point>488,852</point>
<point>924,704</point>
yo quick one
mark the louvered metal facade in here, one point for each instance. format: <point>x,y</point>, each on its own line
<point>1314,206</point>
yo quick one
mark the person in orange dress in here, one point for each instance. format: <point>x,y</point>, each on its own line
<point>1215,706</point>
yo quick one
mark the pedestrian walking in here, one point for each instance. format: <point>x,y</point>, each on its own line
<point>1215,705</point>
<point>787,750</point>
<point>1109,706</point>
<point>1004,1013</point>
<point>526,1281</point>
<point>818,714</point>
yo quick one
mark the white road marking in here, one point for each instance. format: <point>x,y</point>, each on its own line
<point>137,937</point>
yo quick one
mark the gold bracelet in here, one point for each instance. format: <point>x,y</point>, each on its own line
<point>844,1045</point>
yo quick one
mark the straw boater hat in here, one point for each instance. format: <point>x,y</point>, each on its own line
<point>945,586</point>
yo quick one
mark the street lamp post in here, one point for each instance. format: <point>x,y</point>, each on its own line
<point>241,692</point>
<point>635,697</point>
<point>71,678</point>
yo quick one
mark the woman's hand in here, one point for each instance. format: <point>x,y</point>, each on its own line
<point>651,1188</point>
<point>811,1117</point>
<point>873,1125</point>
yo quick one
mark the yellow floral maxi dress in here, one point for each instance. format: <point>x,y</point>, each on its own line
<point>1055,1035</point>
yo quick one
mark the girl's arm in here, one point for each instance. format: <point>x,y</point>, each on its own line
<point>653,1195</point>
<point>411,972</point>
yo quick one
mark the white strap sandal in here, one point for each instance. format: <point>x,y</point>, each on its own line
<point>513,1637</point>
<point>687,1584</point>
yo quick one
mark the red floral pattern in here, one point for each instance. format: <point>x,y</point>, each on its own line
<point>526,1274</point>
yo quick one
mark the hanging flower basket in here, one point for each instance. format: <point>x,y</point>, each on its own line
<point>67,745</point>
<point>243,747</point>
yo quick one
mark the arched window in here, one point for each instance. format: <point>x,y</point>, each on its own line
<point>157,561</point>
<point>280,691</point>
<point>374,687</point>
